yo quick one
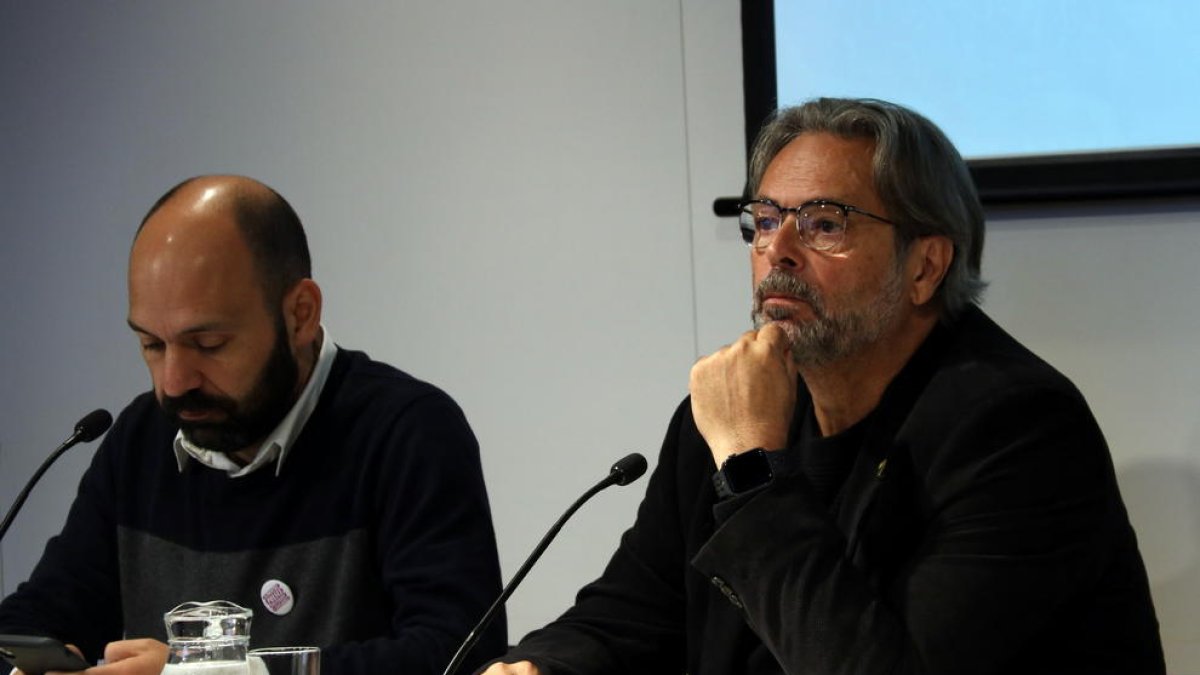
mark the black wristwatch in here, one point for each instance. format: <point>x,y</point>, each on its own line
<point>744,472</point>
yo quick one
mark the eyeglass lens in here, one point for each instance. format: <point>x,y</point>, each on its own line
<point>820,226</point>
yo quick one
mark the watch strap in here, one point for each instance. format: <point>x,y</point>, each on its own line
<point>747,471</point>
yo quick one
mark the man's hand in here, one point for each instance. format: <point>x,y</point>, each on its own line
<point>518,668</point>
<point>133,657</point>
<point>744,395</point>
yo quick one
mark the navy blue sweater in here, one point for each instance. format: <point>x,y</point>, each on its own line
<point>378,522</point>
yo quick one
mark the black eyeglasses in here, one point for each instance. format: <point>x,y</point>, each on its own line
<point>820,223</point>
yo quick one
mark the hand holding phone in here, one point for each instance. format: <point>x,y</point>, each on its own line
<point>34,655</point>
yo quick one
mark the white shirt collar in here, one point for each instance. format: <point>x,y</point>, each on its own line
<point>280,441</point>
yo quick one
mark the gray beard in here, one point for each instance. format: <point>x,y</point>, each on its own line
<point>827,337</point>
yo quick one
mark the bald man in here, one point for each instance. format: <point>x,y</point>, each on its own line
<point>339,498</point>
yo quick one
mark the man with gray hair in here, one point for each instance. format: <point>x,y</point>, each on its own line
<point>877,478</point>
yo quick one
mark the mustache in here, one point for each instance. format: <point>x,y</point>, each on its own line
<point>196,400</point>
<point>778,282</point>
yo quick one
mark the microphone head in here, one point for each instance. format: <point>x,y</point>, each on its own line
<point>628,469</point>
<point>92,425</point>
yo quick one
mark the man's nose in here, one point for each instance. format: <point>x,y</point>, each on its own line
<point>179,373</point>
<point>786,248</point>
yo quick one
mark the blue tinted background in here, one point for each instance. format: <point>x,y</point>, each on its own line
<point>1006,78</point>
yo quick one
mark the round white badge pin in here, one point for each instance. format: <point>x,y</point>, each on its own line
<point>277,597</point>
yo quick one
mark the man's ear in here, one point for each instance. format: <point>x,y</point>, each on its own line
<point>928,261</point>
<point>302,313</point>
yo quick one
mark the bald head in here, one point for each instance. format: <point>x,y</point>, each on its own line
<point>267,226</point>
<point>222,304</point>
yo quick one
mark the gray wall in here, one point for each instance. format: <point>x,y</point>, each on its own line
<point>511,200</point>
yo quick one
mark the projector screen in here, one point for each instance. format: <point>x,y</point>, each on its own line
<point>1047,99</point>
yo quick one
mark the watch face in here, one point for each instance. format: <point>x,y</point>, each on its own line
<point>747,471</point>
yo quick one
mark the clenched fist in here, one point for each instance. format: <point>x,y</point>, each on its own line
<point>743,396</point>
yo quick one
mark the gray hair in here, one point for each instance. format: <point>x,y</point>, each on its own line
<point>919,175</point>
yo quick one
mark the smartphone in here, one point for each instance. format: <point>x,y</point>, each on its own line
<point>34,655</point>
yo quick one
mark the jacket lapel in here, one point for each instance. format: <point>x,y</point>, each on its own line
<point>873,509</point>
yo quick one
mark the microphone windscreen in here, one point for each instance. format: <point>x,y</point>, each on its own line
<point>92,425</point>
<point>629,468</point>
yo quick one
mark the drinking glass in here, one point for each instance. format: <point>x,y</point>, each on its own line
<point>285,661</point>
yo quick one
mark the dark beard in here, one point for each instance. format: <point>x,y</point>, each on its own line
<point>828,336</point>
<point>248,421</point>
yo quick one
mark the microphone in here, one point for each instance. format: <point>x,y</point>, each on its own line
<point>87,429</point>
<point>627,469</point>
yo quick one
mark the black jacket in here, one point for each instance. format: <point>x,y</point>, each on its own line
<point>979,531</point>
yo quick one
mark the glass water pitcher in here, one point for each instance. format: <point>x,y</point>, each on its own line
<point>208,637</point>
